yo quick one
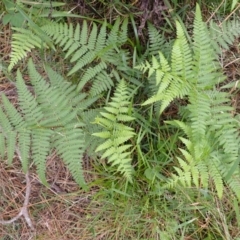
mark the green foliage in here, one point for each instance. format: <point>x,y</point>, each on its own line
<point>42,122</point>
<point>91,51</point>
<point>211,142</point>
<point>181,70</point>
<point>26,19</point>
<point>115,132</point>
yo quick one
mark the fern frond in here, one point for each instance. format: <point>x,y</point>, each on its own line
<point>116,133</point>
<point>29,105</point>
<point>199,113</point>
<point>99,85</point>
<point>43,122</point>
<point>172,80</point>
<point>69,143</point>
<point>91,142</point>
<point>24,141</point>
<point>234,183</point>
<point>12,114</point>
<point>23,42</point>
<point>10,144</point>
<point>54,104</point>
<point>213,166</point>
<point>205,64</point>
<point>225,34</point>
<point>90,49</point>
<point>40,150</point>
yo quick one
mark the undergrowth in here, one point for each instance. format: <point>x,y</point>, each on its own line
<point>158,125</point>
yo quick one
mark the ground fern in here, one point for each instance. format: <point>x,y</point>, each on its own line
<point>42,122</point>
<point>115,148</point>
<point>211,133</point>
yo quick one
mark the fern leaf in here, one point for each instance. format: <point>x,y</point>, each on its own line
<point>199,113</point>
<point>12,114</point>
<point>5,124</point>
<point>204,59</point>
<point>156,40</point>
<point>234,183</point>
<point>29,106</point>
<point>91,73</point>
<point>102,83</point>
<point>2,145</point>
<point>113,35</point>
<point>24,141</point>
<point>101,39</point>
<point>87,58</point>
<point>23,42</point>
<point>69,143</point>
<point>216,174</point>
<point>11,145</point>
<point>114,148</point>
<point>40,150</point>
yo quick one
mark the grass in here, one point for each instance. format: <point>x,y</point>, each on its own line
<point>113,209</point>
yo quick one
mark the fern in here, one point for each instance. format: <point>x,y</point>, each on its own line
<point>114,148</point>
<point>86,45</point>
<point>211,142</point>
<point>91,142</point>
<point>26,19</point>
<point>90,50</point>
<point>45,121</point>
<point>223,35</point>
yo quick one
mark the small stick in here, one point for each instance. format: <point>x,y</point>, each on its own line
<point>24,209</point>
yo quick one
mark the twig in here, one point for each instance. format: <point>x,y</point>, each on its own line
<point>215,11</point>
<point>24,209</point>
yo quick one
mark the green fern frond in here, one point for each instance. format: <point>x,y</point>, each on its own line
<point>42,122</point>
<point>214,172</point>
<point>27,101</point>
<point>91,142</point>
<point>199,113</point>
<point>24,40</point>
<point>205,64</point>
<point>99,85</point>
<point>224,35</point>
<point>172,79</point>
<point>212,138</point>
<point>90,50</point>
<point>10,145</point>
<point>12,114</point>
<point>156,40</point>
<point>116,134</point>
<point>40,150</point>
<point>234,183</point>
<point>24,141</point>
<point>69,142</point>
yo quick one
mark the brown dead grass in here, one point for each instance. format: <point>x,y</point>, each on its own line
<point>58,212</point>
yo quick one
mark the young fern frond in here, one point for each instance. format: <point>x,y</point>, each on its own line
<point>46,121</point>
<point>116,133</point>
<point>172,79</point>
